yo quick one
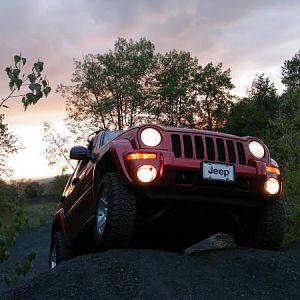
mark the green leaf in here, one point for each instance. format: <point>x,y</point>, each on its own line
<point>16,72</point>
<point>35,87</point>
<point>18,83</point>
<point>44,83</point>
<point>8,71</point>
<point>25,102</point>
<point>11,85</point>
<point>38,66</point>
<point>24,60</point>
<point>31,98</point>
<point>38,87</point>
<point>38,95</point>
<point>32,78</point>
<point>17,59</point>
<point>47,90</point>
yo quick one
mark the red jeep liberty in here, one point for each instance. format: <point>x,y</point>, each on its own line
<point>167,188</point>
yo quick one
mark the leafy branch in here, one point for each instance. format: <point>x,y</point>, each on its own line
<point>37,84</point>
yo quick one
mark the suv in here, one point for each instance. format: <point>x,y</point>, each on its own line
<point>167,188</point>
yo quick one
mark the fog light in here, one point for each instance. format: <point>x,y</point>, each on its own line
<point>272,186</point>
<point>146,173</point>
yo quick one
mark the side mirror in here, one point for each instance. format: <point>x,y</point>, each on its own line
<point>80,153</point>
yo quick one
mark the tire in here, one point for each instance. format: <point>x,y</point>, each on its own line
<point>59,250</point>
<point>115,213</point>
<point>269,230</point>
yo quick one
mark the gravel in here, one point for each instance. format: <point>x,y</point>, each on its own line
<point>207,271</point>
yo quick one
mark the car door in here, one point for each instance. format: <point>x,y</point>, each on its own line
<point>78,205</point>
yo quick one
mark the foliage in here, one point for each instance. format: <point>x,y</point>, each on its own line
<point>291,72</point>
<point>37,84</point>
<point>37,87</point>
<point>13,221</point>
<point>57,147</point>
<point>252,115</point>
<point>33,189</point>
<point>8,145</point>
<point>57,186</point>
<point>8,194</point>
<point>284,131</point>
<point>22,268</point>
<point>213,85</point>
<point>132,84</point>
<point>174,98</point>
<point>39,213</point>
<point>111,89</point>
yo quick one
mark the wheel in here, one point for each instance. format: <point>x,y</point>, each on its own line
<point>59,250</point>
<point>115,213</point>
<point>268,231</point>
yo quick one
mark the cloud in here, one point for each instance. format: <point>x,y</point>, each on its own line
<point>247,36</point>
<point>250,37</point>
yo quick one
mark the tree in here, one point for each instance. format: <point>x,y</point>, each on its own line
<point>32,189</point>
<point>174,101</point>
<point>57,147</point>
<point>213,86</point>
<point>252,114</point>
<point>111,90</point>
<point>291,72</point>
<point>8,145</point>
<point>56,187</point>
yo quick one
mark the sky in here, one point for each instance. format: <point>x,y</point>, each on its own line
<point>249,37</point>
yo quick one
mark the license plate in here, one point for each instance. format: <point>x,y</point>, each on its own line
<point>221,172</point>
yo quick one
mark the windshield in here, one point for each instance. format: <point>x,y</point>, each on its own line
<point>109,135</point>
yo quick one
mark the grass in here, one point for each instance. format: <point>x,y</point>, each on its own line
<point>39,214</point>
<point>292,201</point>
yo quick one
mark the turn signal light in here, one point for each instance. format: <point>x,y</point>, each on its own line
<point>271,169</point>
<point>135,156</point>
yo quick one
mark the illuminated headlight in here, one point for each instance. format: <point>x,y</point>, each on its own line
<point>272,186</point>
<point>150,137</point>
<point>146,173</point>
<point>257,149</point>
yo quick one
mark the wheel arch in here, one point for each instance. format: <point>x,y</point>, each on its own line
<point>112,161</point>
<point>104,165</point>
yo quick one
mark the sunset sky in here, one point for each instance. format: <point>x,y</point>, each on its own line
<point>249,37</point>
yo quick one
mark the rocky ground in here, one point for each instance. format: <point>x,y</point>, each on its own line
<point>209,270</point>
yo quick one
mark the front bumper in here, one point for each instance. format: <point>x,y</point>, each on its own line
<point>182,178</point>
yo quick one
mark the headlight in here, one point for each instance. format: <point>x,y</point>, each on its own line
<point>257,149</point>
<point>150,137</point>
<point>146,173</point>
<point>272,186</point>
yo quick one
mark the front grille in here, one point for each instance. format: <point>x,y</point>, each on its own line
<point>209,148</point>
<point>188,146</point>
<point>176,145</point>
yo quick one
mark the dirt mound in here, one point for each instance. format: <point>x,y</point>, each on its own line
<point>231,273</point>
